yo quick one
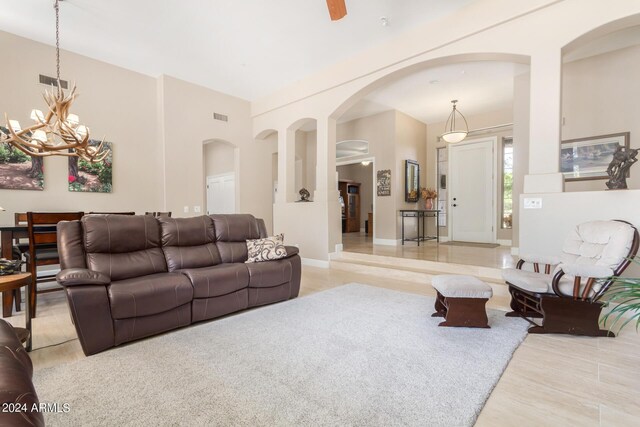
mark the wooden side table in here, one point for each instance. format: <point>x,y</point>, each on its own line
<point>16,281</point>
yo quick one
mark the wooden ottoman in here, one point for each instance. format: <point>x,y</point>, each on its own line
<point>461,301</point>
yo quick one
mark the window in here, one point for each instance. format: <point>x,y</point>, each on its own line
<point>507,182</point>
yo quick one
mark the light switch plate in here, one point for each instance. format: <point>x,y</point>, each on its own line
<point>532,203</point>
<point>186,209</point>
<point>196,209</point>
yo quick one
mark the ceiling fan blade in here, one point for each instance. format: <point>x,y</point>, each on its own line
<point>337,9</point>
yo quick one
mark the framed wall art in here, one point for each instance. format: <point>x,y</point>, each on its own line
<point>588,158</point>
<point>384,182</point>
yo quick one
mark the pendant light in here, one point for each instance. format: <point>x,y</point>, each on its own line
<point>454,131</point>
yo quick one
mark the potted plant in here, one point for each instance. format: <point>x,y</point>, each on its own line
<point>624,296</point>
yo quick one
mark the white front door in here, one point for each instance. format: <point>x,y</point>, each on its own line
<point>472,191</point>
<point>221,194</point>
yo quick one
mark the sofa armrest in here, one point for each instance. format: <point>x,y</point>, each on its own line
<point>291,251</point>
<point>585,270</point>
<point>540,259</point>
<point>82,276</point>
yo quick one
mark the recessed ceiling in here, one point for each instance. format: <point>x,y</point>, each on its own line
<point>246,48</point>
<point>426,95</point>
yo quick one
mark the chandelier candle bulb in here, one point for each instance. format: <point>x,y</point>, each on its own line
<point>37,116</point>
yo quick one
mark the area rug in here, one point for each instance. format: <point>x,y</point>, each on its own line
<point>471,244</point>
<point>352,355</point>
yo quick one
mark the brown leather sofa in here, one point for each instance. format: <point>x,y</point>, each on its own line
<point>129,277</point>
<point>17,395</point>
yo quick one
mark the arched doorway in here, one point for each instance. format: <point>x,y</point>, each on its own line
<point>221,161</point>
<point>419,96</point>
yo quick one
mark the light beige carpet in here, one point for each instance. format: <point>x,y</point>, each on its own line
<point>354,355</point>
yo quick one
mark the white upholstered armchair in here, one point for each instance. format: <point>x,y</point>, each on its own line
<point>564,290</point>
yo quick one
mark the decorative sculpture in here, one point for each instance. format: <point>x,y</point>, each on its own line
<point>623,159</point>
<point>304,195</point>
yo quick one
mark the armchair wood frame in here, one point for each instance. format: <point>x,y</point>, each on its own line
<point>576,314</point>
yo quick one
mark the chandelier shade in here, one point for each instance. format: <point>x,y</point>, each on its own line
<point>454,129</point>
<point>56,132</point>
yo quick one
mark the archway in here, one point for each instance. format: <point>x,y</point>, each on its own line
<point>438,76</point>
<point>605,60</point>
<point>221,170</point>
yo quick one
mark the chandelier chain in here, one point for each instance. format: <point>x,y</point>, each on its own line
<point>57,8</point>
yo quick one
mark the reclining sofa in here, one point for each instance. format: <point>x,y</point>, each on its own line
<point>128,277</point>
<point>20,405</point>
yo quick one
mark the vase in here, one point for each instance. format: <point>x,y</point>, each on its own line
<point>422,204</point>
<point>429,204</point>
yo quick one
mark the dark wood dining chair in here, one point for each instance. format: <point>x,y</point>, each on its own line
<point>20,248</point>
<point>43,250</point>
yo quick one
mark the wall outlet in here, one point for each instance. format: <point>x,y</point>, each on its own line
<point>186,209</point>
<point>196,209</point>
<point>532,203</point>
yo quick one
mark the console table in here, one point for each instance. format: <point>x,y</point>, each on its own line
<point>420,215</point>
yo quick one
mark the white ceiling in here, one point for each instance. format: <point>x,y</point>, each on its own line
<point>426,95</point>
<point>246,48</point>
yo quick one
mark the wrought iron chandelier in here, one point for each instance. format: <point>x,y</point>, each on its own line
<point>454,132</point>
<point>56,132</point>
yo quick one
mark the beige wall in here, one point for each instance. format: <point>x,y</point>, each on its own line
<point>393,138</point>
<point>521,97</point>
<point>219,158</point>
<point>410,144</point>
<point>158,127</point>
<point>115,103</point>
<point>379,131</point>
<point>364,175</point>
<point>187,121</point>
<point>600,97</point>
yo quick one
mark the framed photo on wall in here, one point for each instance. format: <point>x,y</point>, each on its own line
<point>384,182</point>
<point>588,158</point>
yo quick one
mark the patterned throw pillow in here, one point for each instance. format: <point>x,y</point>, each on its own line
<point>267,249</point>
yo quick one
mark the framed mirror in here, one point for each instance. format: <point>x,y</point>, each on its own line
<point>411,181</point>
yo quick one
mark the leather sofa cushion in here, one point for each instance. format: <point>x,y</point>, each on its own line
<point>187,231</point>
<point>70,245</point>
<point>189,242</point>
<point>120,266</point>
<point>218,280</point>
<point>233,251</point>
<point>268,274</point>
<point>235,227</point>
<point>120,233</point>
<point>147,295</point>
<point>181,257</point>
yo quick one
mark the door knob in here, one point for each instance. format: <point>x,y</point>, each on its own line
<point>454,205</point>
<point>455,198</point>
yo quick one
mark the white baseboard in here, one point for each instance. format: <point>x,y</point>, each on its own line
<point>386,242</point>
<point>339,247</point>
<point>311,262</point>
<point>515,251</point>
<point>504,242</point>
<point>444,239</point>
